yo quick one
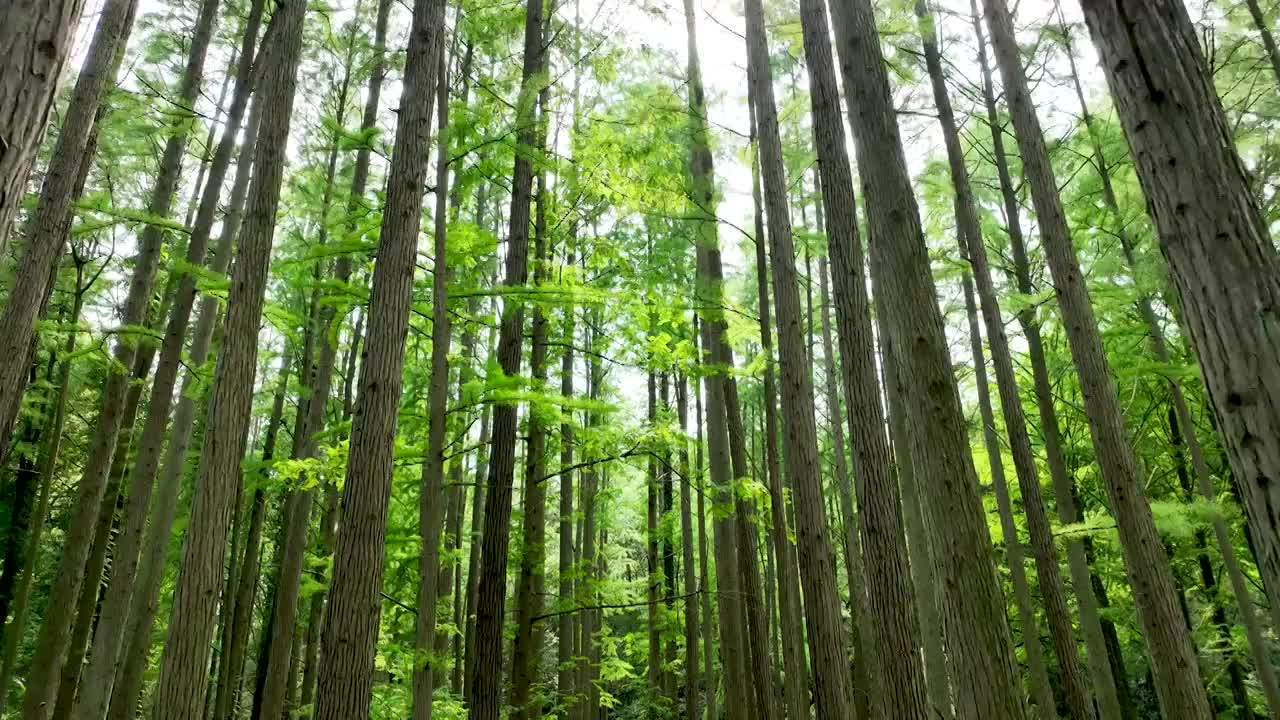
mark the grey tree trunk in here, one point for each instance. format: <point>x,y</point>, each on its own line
<point>54,23</point>
<point>833,694</point>
<point>1268,40</point>
<point>981,660</point>
<point>1176,673</point>
<point>35,40</point>
<point>184,667</point>
<point>344,682</point>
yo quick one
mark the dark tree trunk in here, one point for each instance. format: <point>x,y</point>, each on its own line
<point>1172,654</point>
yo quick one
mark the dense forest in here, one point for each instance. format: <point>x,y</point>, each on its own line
<point>906,359</point>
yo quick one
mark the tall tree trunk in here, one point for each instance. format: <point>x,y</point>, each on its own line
<point>232,667</point>
<point>344,681</point>
<point>653,659</point>
<point>1222,259</point>
<point>52,644</point>
<point>1071,675</point>
<point>927,592</point>
<point>35,36</point>
<point>704,574</point>
<point>529,583</point>
<point>1063,484</point>
<point>96,695</point>
<point>218,486</point>
<point>484,699</point>
<point>569,596</point>
<point>832,691</point>
<point>591,562</point>
<point>430,507</point>
<point>982,665</point>
<point>35,41</point>
<point>131,666</point>
<point>1268,39</point>
<point>796,683</point>
<point>1174,666</point>
<point>692,700</point>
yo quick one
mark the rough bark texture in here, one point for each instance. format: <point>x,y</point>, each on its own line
<point>692,698</point>
<point>183,671</point>
<point>49,227</point>
<point>96,695</point>
<point>980,654</point>
<point>795,688</point>
<point>892,632</point>
<point>1213,235</point>
<point>344,682</point>
<point>1053,592</point>
<point>1176,674</point>
<point>832,691</point>
<point>484,699</point>
<point>35,40</point>
<point>52,644</point>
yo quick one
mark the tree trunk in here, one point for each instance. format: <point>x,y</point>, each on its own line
<point>430,507</point>
<point>218,486</point>
<point>1268,39</point>
<point>796,684</point>
<point>344,680</point>
<point>832,692</point>
<point>1173,657</point>
<point>692,700</point>
<point>1052,589</point>
<point>1063,483</point>
<point>52,644</point>
<point>484,699</point>
<point>96,694</point>
<point>1222,259</point>
<point>35,41</point>
<point>704,575</point>
<point>35,36</point>
<point>982,665</point>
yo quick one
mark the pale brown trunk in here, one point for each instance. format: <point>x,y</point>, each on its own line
<point>979,649</point>
<point>795,687</point>
<point>53,23</point>
<point>704,575</point>
<point>96,695</point>
<point>1173,659</point>
<point>833,694</point>
<point>344,683</point>
<point>1214,237</point>
<point>184,667</point>
<point>692,699</point>
<point>35,40</point>
<point>1052,589</point>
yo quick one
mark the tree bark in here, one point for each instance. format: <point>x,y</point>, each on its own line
<point>692,700</point>
<point>35,40</point>
<point>43,33</point>
<point>183,678</point>
<point>1071,675</point>
<point>982,666</point>
<point>832,691</point>
<point>1220,254</point>
<point>1176,674</point>
<point>1268,39</point>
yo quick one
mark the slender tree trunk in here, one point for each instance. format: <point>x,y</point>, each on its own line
<point>832,691</point>
<point>1228,286</point>
<point>344,679</point>
<point>430,508</point>
<point>35,40</point>
<point>1071,675</point>
<point>108,640</point>
<point>692,700</point>
<point>484,699</point>
<point>796,683</point>
<point>704,575</point>
<point>1264,29</point>
<point>1173,657</point>
<point>200,577</point>
<point>982,666</point>
<point>529,584</point>
<point>927,592</point>
<point>52,644</point>
<point>35,36</point>
<point>591,562</point>
<point>1063,484</point>
<point>653,661</point>
<point>569,596</point>
<point>473,556</point>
